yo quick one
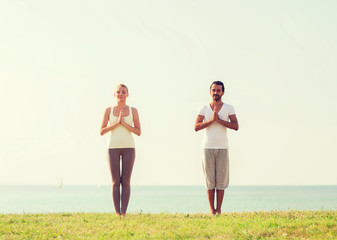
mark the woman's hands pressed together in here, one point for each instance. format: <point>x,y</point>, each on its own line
<point>120,117</point>
<point>134,129</point>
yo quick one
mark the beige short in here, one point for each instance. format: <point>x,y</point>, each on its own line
<point>216,168</point>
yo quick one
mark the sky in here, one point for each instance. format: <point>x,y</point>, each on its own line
<point>61,60</point>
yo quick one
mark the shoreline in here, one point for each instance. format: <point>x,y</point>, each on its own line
<point>141,212</point>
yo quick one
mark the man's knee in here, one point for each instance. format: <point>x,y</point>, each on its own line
<point>210,184</point>
<point>221,186</point>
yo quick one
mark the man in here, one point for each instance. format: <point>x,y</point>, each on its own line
<point>216,117</point>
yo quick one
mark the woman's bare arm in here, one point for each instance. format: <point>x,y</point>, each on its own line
<point>104,127</point>
<point>136,128</point>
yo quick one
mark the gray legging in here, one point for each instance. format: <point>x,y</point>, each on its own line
<point>128,158</point>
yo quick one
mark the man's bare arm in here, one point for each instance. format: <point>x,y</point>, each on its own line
<point>199,124</point>
<point>233,124</point>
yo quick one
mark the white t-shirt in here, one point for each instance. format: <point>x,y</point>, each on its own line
<point>216,135</point>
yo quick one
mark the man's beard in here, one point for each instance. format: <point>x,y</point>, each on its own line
<point>216,97</point>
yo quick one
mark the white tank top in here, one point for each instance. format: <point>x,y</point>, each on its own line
<point>121,137</point>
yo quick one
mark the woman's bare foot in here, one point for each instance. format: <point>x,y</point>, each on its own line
<point>218,212</point>
<point>213,212</point>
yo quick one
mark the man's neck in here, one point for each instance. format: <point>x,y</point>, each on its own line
<point>216,103</point>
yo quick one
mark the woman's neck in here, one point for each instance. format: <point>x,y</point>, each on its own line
<point>121,104</point>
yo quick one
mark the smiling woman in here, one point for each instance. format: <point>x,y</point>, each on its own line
<point>121,120</point>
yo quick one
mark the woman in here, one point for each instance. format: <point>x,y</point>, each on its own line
<point>121,120</point>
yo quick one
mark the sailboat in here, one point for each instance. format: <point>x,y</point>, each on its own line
<point>59,183</point>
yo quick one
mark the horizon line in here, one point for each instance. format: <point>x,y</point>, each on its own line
<point>164,185</point>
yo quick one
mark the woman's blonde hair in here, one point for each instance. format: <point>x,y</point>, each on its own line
<point>122,85</point>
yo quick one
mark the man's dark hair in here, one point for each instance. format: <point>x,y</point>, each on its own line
<point>218,83</point>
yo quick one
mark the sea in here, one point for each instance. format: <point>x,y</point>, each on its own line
<point>164,199</point>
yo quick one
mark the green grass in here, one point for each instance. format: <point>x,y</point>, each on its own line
<point>249,225</point>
